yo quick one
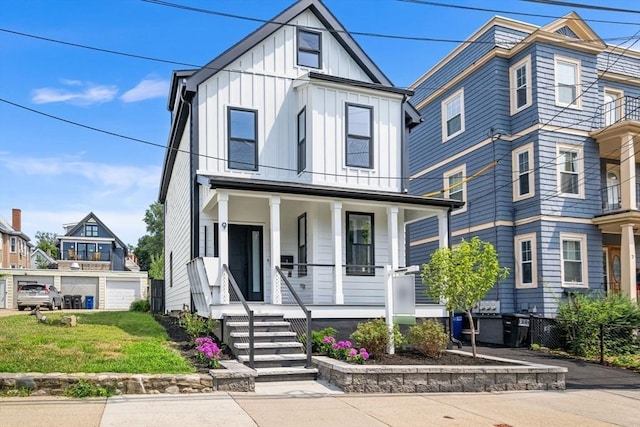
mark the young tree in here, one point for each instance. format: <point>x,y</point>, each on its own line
<point>462,276</point>
<point>157,267</point>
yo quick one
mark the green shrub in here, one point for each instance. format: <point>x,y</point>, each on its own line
<point>374,336</point>
<point>429,337</point>
<point>316,338</point>
<point>196,326</point>
<point>581,317</point>
<point>85,388</point>
<point>141,305</point>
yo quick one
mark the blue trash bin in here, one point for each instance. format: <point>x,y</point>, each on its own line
<point>457,326</point>
<point>88,302</point>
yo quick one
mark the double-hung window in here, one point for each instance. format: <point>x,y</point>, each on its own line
<point>455,186</point>
<point>309,48</point>
<point>12,244</point>
<point>302,245</point>
<point>570,171</point>
<point>302,140</point>
<point>567,82</point>
<point>526,262</point>
<point>360,250</point>
<point>520,84</point>
<point>523,174</point>
<point>453,115</point>
<point>573,251</point>
<point>359,143</point>
<point>91,230</point>
<point>243,139</point>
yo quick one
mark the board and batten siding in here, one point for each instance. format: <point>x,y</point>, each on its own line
<point>178,230</point>
<point>265,84</point>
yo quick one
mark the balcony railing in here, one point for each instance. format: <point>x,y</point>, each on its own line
<point>612,198</point>
<point>622,109</point>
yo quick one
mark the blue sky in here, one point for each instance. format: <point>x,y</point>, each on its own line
<point>58,172</point>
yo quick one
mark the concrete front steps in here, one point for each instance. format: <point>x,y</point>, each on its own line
<point>278,356</point>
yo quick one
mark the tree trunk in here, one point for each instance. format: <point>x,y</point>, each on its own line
<point>473,332</point>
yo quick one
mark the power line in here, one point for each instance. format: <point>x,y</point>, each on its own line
<point>582,6</point>
<point>510,12</point>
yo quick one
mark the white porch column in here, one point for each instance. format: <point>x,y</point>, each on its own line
<point>443,230</point>
<point>628,174</point>
<point>628,261</point>
<point>394,249</point>
<point>223,242</point>
<point>336,227</point>
<point>276,291</point>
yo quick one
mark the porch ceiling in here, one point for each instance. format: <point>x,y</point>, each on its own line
<point>610,139</point>
<point>612,223</point>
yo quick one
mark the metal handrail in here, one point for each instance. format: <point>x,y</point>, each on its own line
<point>306,311</point>
<point>236,289</point>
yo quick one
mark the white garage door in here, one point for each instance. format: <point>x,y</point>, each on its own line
<point>120,294</point>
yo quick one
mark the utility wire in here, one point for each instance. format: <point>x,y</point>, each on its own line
<point>582,6</point>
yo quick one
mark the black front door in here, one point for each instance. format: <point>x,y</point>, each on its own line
<point>245,260</point>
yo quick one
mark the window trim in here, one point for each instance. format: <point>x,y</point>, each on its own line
<point>348,135</point>
<point>443,110</point>
<point>463,170</point>
<point>370,271</point>
<point>515,168</point>
<point>582,238</point>
<point>92,227</point>
<point>300,49</point>
<point>13,244</point>
<point>531,237</point>
<point>301,142</point>
<point>302,270</point>
<point>513,81</point>
<point>577,103</point>
<point>229,138</point>
<point>619,108</point>
<point>579,149</point>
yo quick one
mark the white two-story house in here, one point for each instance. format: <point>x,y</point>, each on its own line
<point>288,150</point>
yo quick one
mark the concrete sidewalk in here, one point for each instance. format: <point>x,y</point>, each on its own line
<point>312,404</point>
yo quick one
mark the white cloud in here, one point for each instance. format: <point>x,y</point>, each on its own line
<point>86,94</point>
<point>146,89</point>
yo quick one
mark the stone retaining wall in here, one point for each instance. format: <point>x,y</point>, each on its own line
<point>235,377</point>
<point>422,379</point>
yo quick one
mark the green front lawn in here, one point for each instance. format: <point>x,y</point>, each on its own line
<point>123,341</point>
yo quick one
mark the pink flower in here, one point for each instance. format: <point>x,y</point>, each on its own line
<point>353,352</point>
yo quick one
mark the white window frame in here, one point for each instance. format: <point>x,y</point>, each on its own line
<point>517,173</point>
<point>619,107</point>
<point>457,94</point>
<point>577,103</point>
<point>447,191</point>
<point>530,237</point>
<point>513,84</point>
<point>576,237</point>
<point>579,150</point>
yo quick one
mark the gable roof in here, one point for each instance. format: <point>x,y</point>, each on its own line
<point>322,13</point>
<point>84,220</point>
<point>42,254</point>
<point>6,228</point>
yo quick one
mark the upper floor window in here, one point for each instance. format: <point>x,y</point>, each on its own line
<point>359,145</point>
<point>526,263</point>
<point>568,82</point>
<point>91,230</point>
<point>570,171</point>
<point>613,106</point>
<point>302,140</point>
<point>360,253</point>
<point>520,84</point>
<point>302,245</point>
<point>573,253</point>
<point>455,186</point>
<point>243,139</point>
<point>309,48</point>
<point>523,175</point>
<point>12,244</point>
<point>453,115</point>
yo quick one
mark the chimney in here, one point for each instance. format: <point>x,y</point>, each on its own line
<point>16,219</point>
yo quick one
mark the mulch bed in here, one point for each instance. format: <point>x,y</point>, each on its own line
<point>181,342</point>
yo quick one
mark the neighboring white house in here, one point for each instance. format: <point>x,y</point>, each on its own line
<point>288,150</point>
